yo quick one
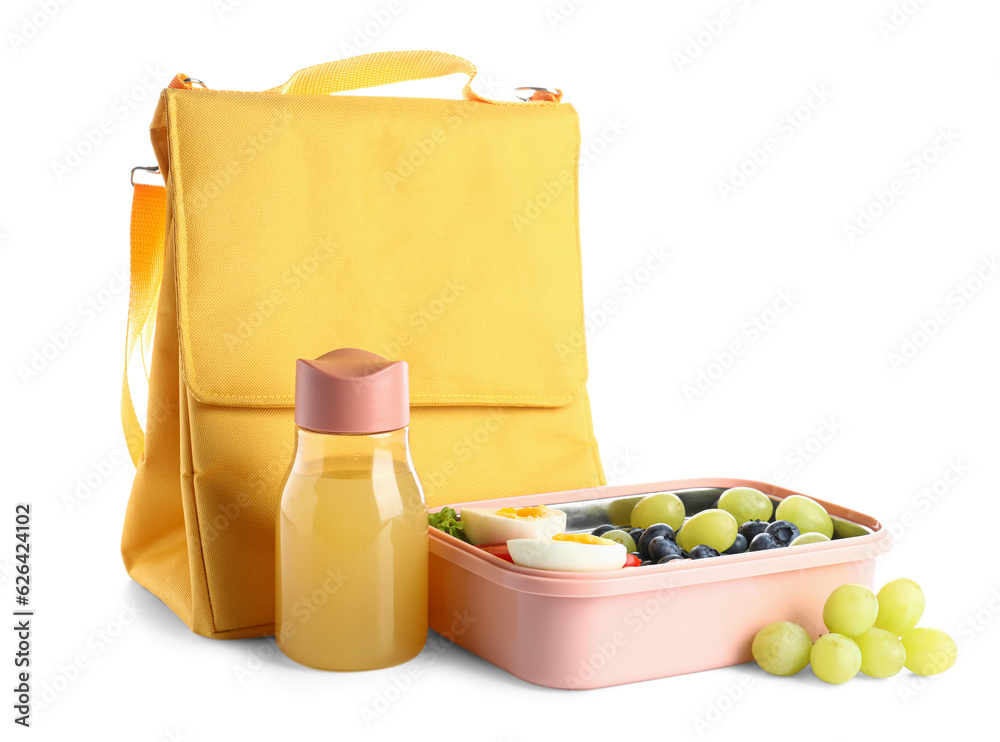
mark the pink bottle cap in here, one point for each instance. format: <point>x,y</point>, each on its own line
<point>351,391</point>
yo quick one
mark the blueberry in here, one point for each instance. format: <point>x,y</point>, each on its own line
<point>739,545</point>
<point>751,528</point>
<point>660,547</point>
<point>601,530</point>
<point>670,558</point>
<point>764,541</point>
<point>645,562</point>
<point>636,554</point>
<point>784,531</point>
<point>636,533</point>
<point>657,529</point>
<point>703,552</point>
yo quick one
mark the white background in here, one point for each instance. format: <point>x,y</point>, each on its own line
<point>663,132</point>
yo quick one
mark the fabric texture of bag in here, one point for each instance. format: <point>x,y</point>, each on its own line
<point>293,222</point>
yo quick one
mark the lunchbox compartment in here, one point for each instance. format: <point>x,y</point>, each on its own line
<point>590,630</point>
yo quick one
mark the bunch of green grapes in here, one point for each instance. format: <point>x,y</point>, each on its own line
<point>873,634</point>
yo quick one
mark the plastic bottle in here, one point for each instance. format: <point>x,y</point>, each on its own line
<point>351,537</point>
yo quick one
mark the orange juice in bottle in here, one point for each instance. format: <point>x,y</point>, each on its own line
<point>351,538</point>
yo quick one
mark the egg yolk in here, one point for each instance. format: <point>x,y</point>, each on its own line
<point>532,513</point>
<point>583,538</point>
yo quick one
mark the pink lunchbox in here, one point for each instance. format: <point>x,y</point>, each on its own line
<point>591,630</point>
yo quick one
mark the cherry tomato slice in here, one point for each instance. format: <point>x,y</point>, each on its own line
<point>497,550</point>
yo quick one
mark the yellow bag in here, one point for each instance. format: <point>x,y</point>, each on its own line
<point>440,232</point>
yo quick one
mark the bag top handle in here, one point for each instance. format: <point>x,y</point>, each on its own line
<point>383,68</point>
<point>380,68</point>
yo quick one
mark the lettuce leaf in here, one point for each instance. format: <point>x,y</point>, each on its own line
<point>447,520</point>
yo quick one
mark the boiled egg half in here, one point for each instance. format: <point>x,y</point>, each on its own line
<point>486,526</point>
<point>568,552</point>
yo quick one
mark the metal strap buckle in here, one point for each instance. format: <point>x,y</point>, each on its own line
<point>148,169</point>
<point>549,94</point>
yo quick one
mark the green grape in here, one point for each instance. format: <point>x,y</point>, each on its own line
<point>663,507</point>
<point>622,537</point>
<point>782,648</point>
<point>620,511</point>
<point>746,503</point>
<point>808,515</point>
<point>835,658</point>
<point>715,528</point>
<point>809,538</point>
<point>929,651</point>
<point>882,653</point>
<point>900,606</point>
<point>850,610</point>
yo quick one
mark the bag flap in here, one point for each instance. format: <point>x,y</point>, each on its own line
<point>443,233</point>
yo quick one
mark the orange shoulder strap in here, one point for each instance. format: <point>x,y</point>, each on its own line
<point>149,217</point>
